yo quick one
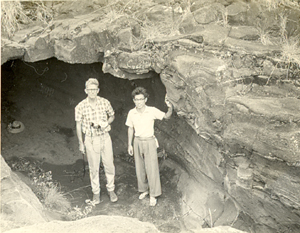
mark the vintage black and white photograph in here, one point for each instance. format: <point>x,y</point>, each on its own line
<point>150,116</point>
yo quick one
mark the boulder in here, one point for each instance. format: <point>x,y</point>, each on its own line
<point>19,205</point>
<point>108,224</point>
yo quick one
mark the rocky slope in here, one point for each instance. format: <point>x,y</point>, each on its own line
<point>230,72</point>
<point>19,205</point>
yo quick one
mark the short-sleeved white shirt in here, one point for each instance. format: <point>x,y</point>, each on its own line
<point>143,123</point>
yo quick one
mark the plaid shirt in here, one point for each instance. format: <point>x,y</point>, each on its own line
<point>87,115</point>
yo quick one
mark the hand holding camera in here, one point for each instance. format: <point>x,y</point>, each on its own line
<point>101,125</point>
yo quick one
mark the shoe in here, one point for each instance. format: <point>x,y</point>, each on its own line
<point>153,201</point>
<point>113,197</point>
<point>96,199</point>
<point>143,195</point>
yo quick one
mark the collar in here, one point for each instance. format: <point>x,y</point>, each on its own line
<point>98,99</point>
<point>136,111</point>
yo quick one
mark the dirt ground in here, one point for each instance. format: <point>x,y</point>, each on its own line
<point>43,96</point>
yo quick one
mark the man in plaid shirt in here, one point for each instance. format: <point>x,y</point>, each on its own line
<point>93,117</point>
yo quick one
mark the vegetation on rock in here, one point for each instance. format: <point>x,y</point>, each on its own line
<point>17,14</point>
<point>47,190</point>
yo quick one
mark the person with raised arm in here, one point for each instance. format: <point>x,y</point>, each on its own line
<point>143,144</point>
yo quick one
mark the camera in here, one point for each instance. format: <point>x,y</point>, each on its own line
<point>95,126</point>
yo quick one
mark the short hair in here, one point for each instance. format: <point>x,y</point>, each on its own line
<point>91,81</point>
<point>138,91</point>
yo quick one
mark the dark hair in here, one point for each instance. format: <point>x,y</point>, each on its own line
<point>138,91</point>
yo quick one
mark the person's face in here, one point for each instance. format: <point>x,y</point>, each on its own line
<point>140,101</point>
<point>92,91</point>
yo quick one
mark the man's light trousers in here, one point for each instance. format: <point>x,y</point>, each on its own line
<point>146,165</point>
<point>97,148</point>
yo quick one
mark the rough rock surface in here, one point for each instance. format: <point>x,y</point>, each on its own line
<point>229,82</point>
<point>19,206</point>
<point>106,224</point>
<point>92,224</point>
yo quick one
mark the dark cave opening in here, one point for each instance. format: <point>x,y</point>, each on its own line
<point>52,87</point>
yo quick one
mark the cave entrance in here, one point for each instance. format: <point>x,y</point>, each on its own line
<point>43,96</point>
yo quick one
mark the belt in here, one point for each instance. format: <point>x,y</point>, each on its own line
<point>100,135</point>
<point>145,138</point>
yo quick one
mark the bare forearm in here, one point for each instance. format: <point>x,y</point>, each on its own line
<point>79,132</point>
<point>130,135</point>
<point>110,119</point>
<point>79,136</point>
<point>169,112</point>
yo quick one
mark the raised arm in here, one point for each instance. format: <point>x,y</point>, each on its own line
<point>170,109</point>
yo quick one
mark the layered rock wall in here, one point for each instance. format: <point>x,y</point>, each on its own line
<point>228,76</point>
